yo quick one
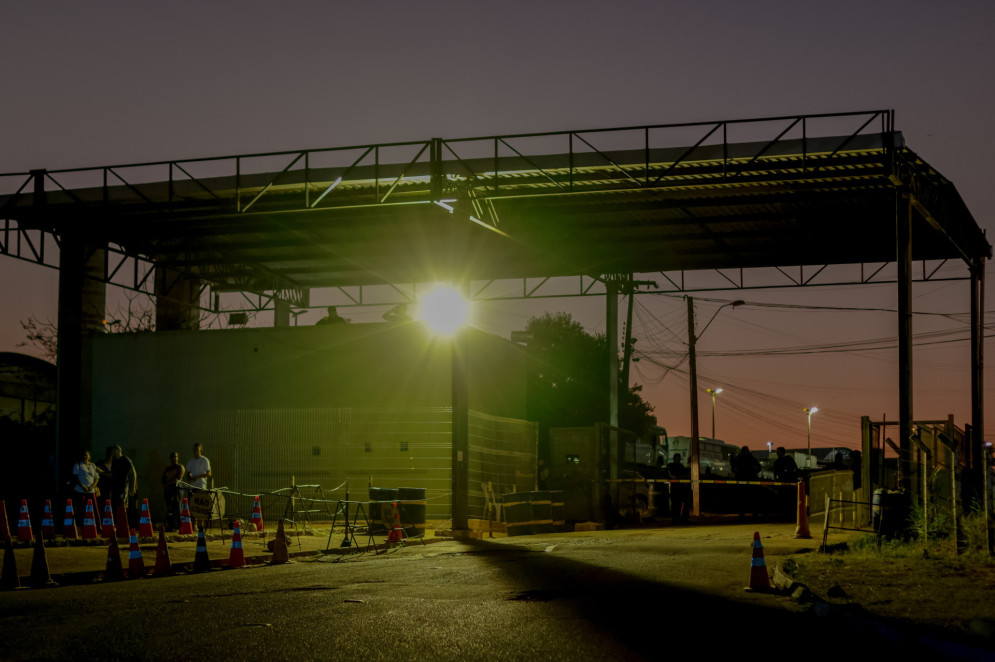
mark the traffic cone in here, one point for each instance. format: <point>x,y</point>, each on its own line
<point>280,552</point>
<point>40,578</point>
<point>236,559</point>
<point>257,514</point>
<point>24,533</point>
<point>136,567</point>
<point>69,523</point>
<point>801,531</point>
<point>759,579</point>
<point>89,522</point>
<point>107,524</point>
<point>396,532</point>
<point>201,562</point>
<point>4,525</point>
<point>186,528</point>
<point>145,523</point>
<point>121,522</point>
<point>9,580</point>
<point>47,524</point>
<point>113,572</point>
<point>162,564</point>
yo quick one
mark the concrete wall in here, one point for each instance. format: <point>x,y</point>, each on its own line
<point>323,404</point>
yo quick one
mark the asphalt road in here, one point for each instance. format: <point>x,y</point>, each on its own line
<point>621,595</point>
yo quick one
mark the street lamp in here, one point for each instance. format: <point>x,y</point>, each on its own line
<point>809,411</point>
<point>713,392</point>
<point>693,370</point>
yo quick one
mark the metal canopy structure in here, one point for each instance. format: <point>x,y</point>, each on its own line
<point>667,198</point>
<point>794,195</point>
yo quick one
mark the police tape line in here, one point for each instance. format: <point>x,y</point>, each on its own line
<point>226,491</point>
<point>703,481</point>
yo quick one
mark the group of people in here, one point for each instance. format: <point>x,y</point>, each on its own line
<point>745,467</point>
<point>115,478</point>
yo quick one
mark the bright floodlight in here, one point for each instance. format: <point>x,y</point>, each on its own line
<point>444,310</point>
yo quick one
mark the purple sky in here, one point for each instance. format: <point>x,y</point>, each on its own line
<point>97,83</point>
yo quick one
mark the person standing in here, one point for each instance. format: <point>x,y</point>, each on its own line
<point>124,484</point>
<point>171,475</point>
<point>679,492</point>
<point>785,468</point>
<point>746,468</point>
<point>86,477</point>
<point>199,472</point>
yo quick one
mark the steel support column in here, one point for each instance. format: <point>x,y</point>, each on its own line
<point>611,450</point>
<point>460,425</point>
<point>281,313</point>
<point>177,301</point>
<point>979,454</point>
<point>611,331</point>
<point>82,295</point>
<point>903,235</point>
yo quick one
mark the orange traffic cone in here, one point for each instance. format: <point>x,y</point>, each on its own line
<point>145,523</point>
<point>201,562</point>
<point>24,533</point>
<point>186,528</point>
<point>40,577</point>
<point>162,564</point>
<point>9,579</point>
<point>69,523</point>
<point>107,524</point>
<point>257,514</point>
<point>396,533</point>
<point>801,531</point>
<point>759,579</point>
<point>4,525</point>
<point>136,567</point>
<point>236,559</point>
<point>113,572</point>
<point>121,521</point>
<point>89,522</point>
<point>280,552</point>
<point>47,523</point>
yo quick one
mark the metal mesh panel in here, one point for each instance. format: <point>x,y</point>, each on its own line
<point>502,453</point>
<point>401,448</point>
<point>266,451</point>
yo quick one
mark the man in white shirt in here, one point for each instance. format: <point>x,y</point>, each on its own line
<point>85,474</point>
<point>198,468</point>
<point>198,475</point>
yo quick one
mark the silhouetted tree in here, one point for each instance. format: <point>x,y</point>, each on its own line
<point>568,380</point>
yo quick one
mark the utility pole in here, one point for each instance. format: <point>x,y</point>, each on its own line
<point>695,466</point>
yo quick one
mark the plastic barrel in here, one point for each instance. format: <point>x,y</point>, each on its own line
<point>381,500</point>
<point>542,512</point>
<point>411,504</point>
<point>518,513</point>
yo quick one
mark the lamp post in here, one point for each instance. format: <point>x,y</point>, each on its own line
<point>693,373</point>
<point>446,312</point>
<point>713,392</point>
<point>809,411</point>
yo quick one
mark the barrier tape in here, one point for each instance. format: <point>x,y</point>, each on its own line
<point>688,480</point>
<point>275,493</point>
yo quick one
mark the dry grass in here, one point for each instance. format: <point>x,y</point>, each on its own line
<point>932,587</point>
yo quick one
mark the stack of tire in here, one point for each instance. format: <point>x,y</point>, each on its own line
<point>527,513</point>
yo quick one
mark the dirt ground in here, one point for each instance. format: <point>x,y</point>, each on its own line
<point>942,594</point>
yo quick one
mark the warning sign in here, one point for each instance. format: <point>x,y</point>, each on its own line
<point>206,505</point>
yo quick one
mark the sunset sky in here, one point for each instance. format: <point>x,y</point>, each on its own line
<point>101,83</point>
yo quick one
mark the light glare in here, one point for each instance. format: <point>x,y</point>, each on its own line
<point>444,310</point>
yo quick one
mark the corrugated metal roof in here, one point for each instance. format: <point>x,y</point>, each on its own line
<point>808,201</point>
